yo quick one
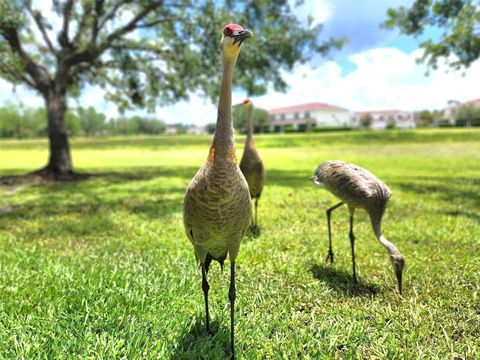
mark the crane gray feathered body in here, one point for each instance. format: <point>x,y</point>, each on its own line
<point>251,165</point>
<point>217,209</point>
<point>354,185</point>
<point>358,188</point>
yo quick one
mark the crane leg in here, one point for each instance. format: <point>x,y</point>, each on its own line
<point>330,252</point>
<point>256,208</point>
<point>352,243</point>
<point>205,288</point>
<point>232,296</point>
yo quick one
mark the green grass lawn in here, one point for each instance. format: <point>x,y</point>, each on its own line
<point>102,268</point>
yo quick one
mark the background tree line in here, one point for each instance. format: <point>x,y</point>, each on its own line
<point>24,122</point>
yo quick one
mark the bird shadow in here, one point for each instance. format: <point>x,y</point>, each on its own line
<point>341,281</point>
<point>197,343</point>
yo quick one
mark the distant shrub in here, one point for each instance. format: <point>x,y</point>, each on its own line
<point>475,122</point>
<point>366,121</point>
<point>289,129</point>
<point>445,124</point>
<point>210,128</point>
<point>332,128</point>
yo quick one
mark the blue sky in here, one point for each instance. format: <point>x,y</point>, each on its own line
<point>377,69</point>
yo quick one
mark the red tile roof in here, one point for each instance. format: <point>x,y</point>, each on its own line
<point>379,112</point>
<point>475,102</point>
<point>305,107</point>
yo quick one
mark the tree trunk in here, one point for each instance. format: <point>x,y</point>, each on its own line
<point>60,162</point>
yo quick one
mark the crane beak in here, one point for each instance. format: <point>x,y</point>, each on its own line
<point>240,38</point>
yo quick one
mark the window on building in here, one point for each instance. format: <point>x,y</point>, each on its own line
<point>295,115</point>
<point>306,115</point>
<point>282,117</point>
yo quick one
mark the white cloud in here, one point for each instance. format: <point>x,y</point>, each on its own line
<point>320,10</point>
<point>382,78</point>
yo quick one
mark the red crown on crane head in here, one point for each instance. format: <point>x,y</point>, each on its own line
<point>230,28</point>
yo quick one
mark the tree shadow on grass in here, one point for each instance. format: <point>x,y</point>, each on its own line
<point>153,193</point>
<point>88,207</point>
<point>196,343</point>
<point>341,281</point>
<point>290,178</point>
<point>124,175</point>
<point>457,191</point>
<point>461,213</point>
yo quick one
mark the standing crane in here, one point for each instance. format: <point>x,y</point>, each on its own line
<point>252,164</point>
<point>358,188</point>
<point>217,206</point>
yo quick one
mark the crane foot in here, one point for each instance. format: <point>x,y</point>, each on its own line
<point>329,259</point>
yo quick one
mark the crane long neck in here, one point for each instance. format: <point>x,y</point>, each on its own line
<point>223,141</point>
<point>376,225</point>
<point>250,124</point>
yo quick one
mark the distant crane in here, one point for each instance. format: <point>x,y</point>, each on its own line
<point>252,164</point>
<point>217,206</point>
<point>358,188</point>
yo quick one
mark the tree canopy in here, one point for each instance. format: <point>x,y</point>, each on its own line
<point>261,119</point>
<point>366,121</point>
<point>147,53</point>
<point>459,21</point>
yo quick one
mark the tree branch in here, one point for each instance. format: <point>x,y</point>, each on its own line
<point>67,12</point>
<point>97,14</point>
<point>111,13</point>
<point>16,75</point>
<point>131,25</point>
<point>92,51</point>
<point>153,23</point>
<point>39,21</point>
<point>37,72</point>
<point>81,25</point>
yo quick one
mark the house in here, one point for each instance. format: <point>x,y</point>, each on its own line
<point>306,116</point>
<point>196,130</point>
<point>450,112</point>
<point>382,119</point>
<point>170,130</point>
<point>475,102</point>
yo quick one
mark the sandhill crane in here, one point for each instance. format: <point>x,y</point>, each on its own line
<point>358,188</point>
<point>252,164</point>
<point>217,206</point>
